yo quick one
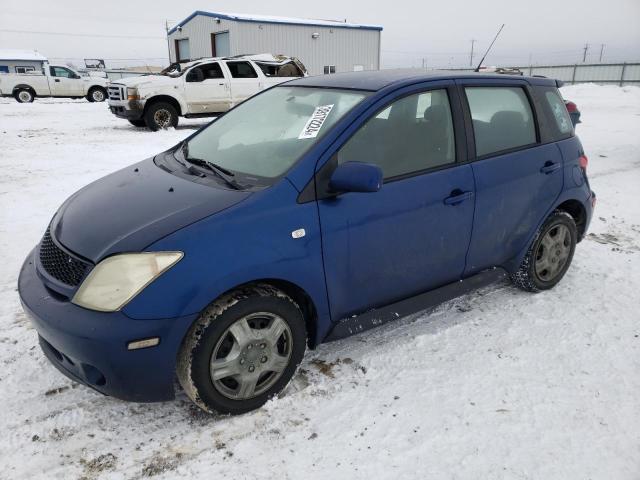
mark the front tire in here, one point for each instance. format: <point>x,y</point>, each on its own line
<point>97,94</point>
<point>24,96</point>
<point>160,116</point>
<point>550,254</point>
<point>243,350</point>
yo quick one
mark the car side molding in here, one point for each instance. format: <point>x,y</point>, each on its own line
<point>423,301</point>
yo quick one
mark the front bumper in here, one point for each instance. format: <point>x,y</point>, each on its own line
<point>130,110</point>
<point>91,347</point>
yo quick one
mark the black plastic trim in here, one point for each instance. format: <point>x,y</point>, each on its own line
<point>424,301</point>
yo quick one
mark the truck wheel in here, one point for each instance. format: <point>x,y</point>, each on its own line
<point>243,350</point>
<point>24,96</point>
<point>550,254</point>
<point>161,115</point>
<point>97,94</point>
<point>138,123</point>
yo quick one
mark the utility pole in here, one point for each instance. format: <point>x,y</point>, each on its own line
<point>601,51</point>
<point>471,56</point>
<point>584,55</point>
<point>424,63</point>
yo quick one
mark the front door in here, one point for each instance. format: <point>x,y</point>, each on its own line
<point>207,89</point>
<point>413,234</point>
<point>64,83</point>
<point>244,80</point>
<point>517,178</point>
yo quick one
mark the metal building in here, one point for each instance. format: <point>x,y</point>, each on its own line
<point>323,46</point>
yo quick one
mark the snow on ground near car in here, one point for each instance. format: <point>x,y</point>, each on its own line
<point>497,384</point>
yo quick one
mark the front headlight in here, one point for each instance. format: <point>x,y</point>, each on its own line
<point>116,280</point>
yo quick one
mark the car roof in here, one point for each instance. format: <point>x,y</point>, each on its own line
<point>375,80</point>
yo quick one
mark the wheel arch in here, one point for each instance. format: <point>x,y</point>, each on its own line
<point>298,294</point>
<point>569,204</point>
<point>578,212</point>
<point>164,98</point>
<point>23,86</point>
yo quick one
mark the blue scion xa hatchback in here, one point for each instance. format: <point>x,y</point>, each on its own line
<point>317,209</point>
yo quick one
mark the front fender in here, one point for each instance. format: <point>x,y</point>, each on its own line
<point>247,242</point>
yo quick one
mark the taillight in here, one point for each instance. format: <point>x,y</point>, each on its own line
<point>571,107</point>
<point>584,161</point>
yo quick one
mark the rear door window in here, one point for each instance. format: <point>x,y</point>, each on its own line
<point>502,119</point>
<point>242,70</point>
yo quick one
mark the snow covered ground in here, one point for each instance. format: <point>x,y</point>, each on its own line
<point>497,384</point>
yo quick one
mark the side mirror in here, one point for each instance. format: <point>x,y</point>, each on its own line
<point>195,75</point>
<point>356,177</point>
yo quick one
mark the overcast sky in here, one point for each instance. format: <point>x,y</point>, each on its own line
<point>545,31</point>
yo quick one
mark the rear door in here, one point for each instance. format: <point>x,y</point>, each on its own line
<point>244,80</point>
<point>517,177</point>
<point>413,234</point>
<point>207,89</point>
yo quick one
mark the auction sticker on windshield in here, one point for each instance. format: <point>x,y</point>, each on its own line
<point>314,124</point>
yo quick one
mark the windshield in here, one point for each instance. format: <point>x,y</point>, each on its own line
<point>266,135</point>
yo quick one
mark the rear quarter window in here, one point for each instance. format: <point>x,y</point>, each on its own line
<point>556,112</point>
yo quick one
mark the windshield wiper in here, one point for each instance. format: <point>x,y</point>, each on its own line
<point>219,171</point>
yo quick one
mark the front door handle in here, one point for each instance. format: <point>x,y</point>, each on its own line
<point>57,80</point>
<point>457,197</point>
<point>550,167</point>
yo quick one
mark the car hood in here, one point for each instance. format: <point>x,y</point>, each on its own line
<point>146,81</point>
<point>134,207</point>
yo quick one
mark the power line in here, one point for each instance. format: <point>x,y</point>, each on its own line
<point>96,35</point>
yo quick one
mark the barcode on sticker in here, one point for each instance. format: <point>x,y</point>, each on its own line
<point>314,124</point>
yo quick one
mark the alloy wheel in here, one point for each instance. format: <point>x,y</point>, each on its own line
<point>251,356</point>
<point>24,96</point>
<point>553,252</point>
<point>162,118</point>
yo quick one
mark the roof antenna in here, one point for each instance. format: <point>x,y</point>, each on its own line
<point>485,53</point>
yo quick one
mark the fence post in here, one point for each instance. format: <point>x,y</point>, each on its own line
<point>573,77</point>
<point>624,67</point>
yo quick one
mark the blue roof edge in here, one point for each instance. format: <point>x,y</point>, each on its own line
<point>236,19</point>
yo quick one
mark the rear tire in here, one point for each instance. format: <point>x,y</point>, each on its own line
<point>161,115</point>
<point>243,350</point>
<point>138,123</point>
<point>24,95</point>
<point>97,94</point>
<point>549,255</point>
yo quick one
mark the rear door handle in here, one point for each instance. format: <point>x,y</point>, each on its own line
<point>57,80</point>
<point>457,197</point>
<point>550,167</point>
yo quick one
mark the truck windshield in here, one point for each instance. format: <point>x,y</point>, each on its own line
<point>265,136</point>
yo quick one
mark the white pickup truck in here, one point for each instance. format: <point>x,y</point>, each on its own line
<point>199,88</point>
<point>53,81</point>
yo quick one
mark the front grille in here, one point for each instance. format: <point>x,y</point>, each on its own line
<point>59,264</point>
<point>115,92</point>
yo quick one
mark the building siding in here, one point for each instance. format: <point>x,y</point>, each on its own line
<point>343,47</point>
